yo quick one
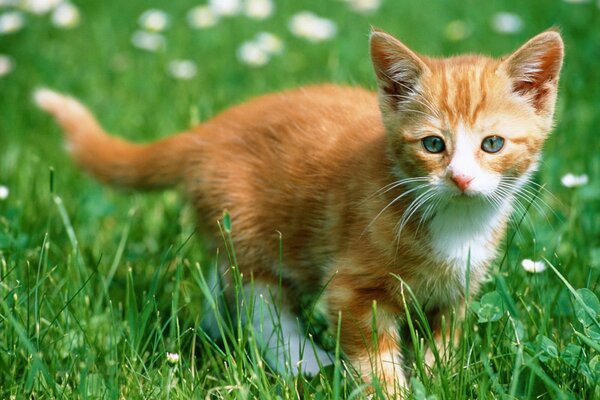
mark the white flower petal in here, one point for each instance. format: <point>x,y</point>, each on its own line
<point>259,9</point>
<point>154,20</point>
<point>252,54</point>
<point>6,66</point>
<point>173,358</point>
<point>505,22</point>
<point>66,15</point>
<point>269,43</point>
<point>11,22</point>
<point>364,6</point>
<point>148,41</point>
<point>312,27</point>
<point>182,69</point>
<point>570,180</point>
<point>40,6</point>
<point>4,192</point>
<point>533,266</point>
<point>202,17</point>
<point>225,7</point>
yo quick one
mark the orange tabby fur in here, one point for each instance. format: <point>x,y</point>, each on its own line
<point>311,164</point>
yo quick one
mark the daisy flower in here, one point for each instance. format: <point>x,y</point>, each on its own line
<point>252,54</point>
<point>40,6</point>
<point>182,69</point>
<point>533,266</point>
<point>4,192</point>
<point>6,66</point>
<point>172,358</point>
<point>364,6</point>
<point>227,8</point>
<point>154,20</point>
<point>505,22</point>
<point>570,180</point>
<point>149,41</point>
<point>66,15</point>
<point>259,9</point>
<point>312,27</point>
<point>202,17</point>
<point>11,22</point>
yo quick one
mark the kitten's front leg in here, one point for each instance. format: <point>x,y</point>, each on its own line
<point>445,326</point>
<point>369,339</point>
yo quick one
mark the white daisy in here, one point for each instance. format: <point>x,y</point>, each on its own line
<point>40,6</point>
<point>6,65</point>
<point>570,180</point>
<point>182,69</point>
<point>11,22</point>
<point>533,266</point>
<point>148,41</point>
<point>259,9</point>
<point>4,192</point>
<point>202,17</point>
<point>269,42</point>
<point>154,20</point>
<point>225,7</point>
<point>66,15</point>
<point>311,27</point>
<point>505,22</point>
<point>172,358</point>
<point>252,54</point>
<point>364,6</point>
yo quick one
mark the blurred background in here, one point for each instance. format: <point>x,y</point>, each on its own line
<point>149,68</point>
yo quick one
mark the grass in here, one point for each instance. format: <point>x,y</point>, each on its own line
<point>97,285</point>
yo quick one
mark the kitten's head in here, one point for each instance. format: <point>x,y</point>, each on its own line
<point>470,124</point>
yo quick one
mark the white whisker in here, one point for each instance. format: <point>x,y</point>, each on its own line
<point>414,206</point>
<point>395,184</point>
<point>403,194</point>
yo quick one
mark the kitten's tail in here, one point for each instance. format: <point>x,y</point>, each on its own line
<point>113,160</point>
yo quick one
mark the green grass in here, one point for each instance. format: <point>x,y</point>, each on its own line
<point>97,285</point>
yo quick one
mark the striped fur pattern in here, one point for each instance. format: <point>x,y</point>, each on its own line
<point>343,176</point>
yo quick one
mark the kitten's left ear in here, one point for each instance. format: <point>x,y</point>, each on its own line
<point>534,69</point>
<point>397,67</point>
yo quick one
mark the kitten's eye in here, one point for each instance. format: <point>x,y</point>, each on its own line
<point>434,144</point>
<point>492,144</point>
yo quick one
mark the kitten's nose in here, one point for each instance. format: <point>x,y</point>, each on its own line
<point>462,181</point>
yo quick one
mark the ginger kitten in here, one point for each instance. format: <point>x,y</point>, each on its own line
<point>417,181</point>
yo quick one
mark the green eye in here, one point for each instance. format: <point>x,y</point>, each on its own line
<point>434,144</point>
<point>492,144</point>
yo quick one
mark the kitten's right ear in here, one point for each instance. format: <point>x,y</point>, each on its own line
<point>397,67</point>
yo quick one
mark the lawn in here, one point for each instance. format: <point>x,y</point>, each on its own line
<point>97,285</point>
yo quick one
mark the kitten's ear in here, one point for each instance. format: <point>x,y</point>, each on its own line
<point>535,68</point>
<point>397,67</point>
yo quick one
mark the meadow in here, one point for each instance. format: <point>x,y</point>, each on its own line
<point>102,292</point>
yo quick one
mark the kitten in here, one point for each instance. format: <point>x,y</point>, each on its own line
<point>416,183</point>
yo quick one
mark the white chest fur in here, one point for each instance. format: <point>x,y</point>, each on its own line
<point>461,238</point>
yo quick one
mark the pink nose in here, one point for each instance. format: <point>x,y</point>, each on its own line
<point>462,181</point>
